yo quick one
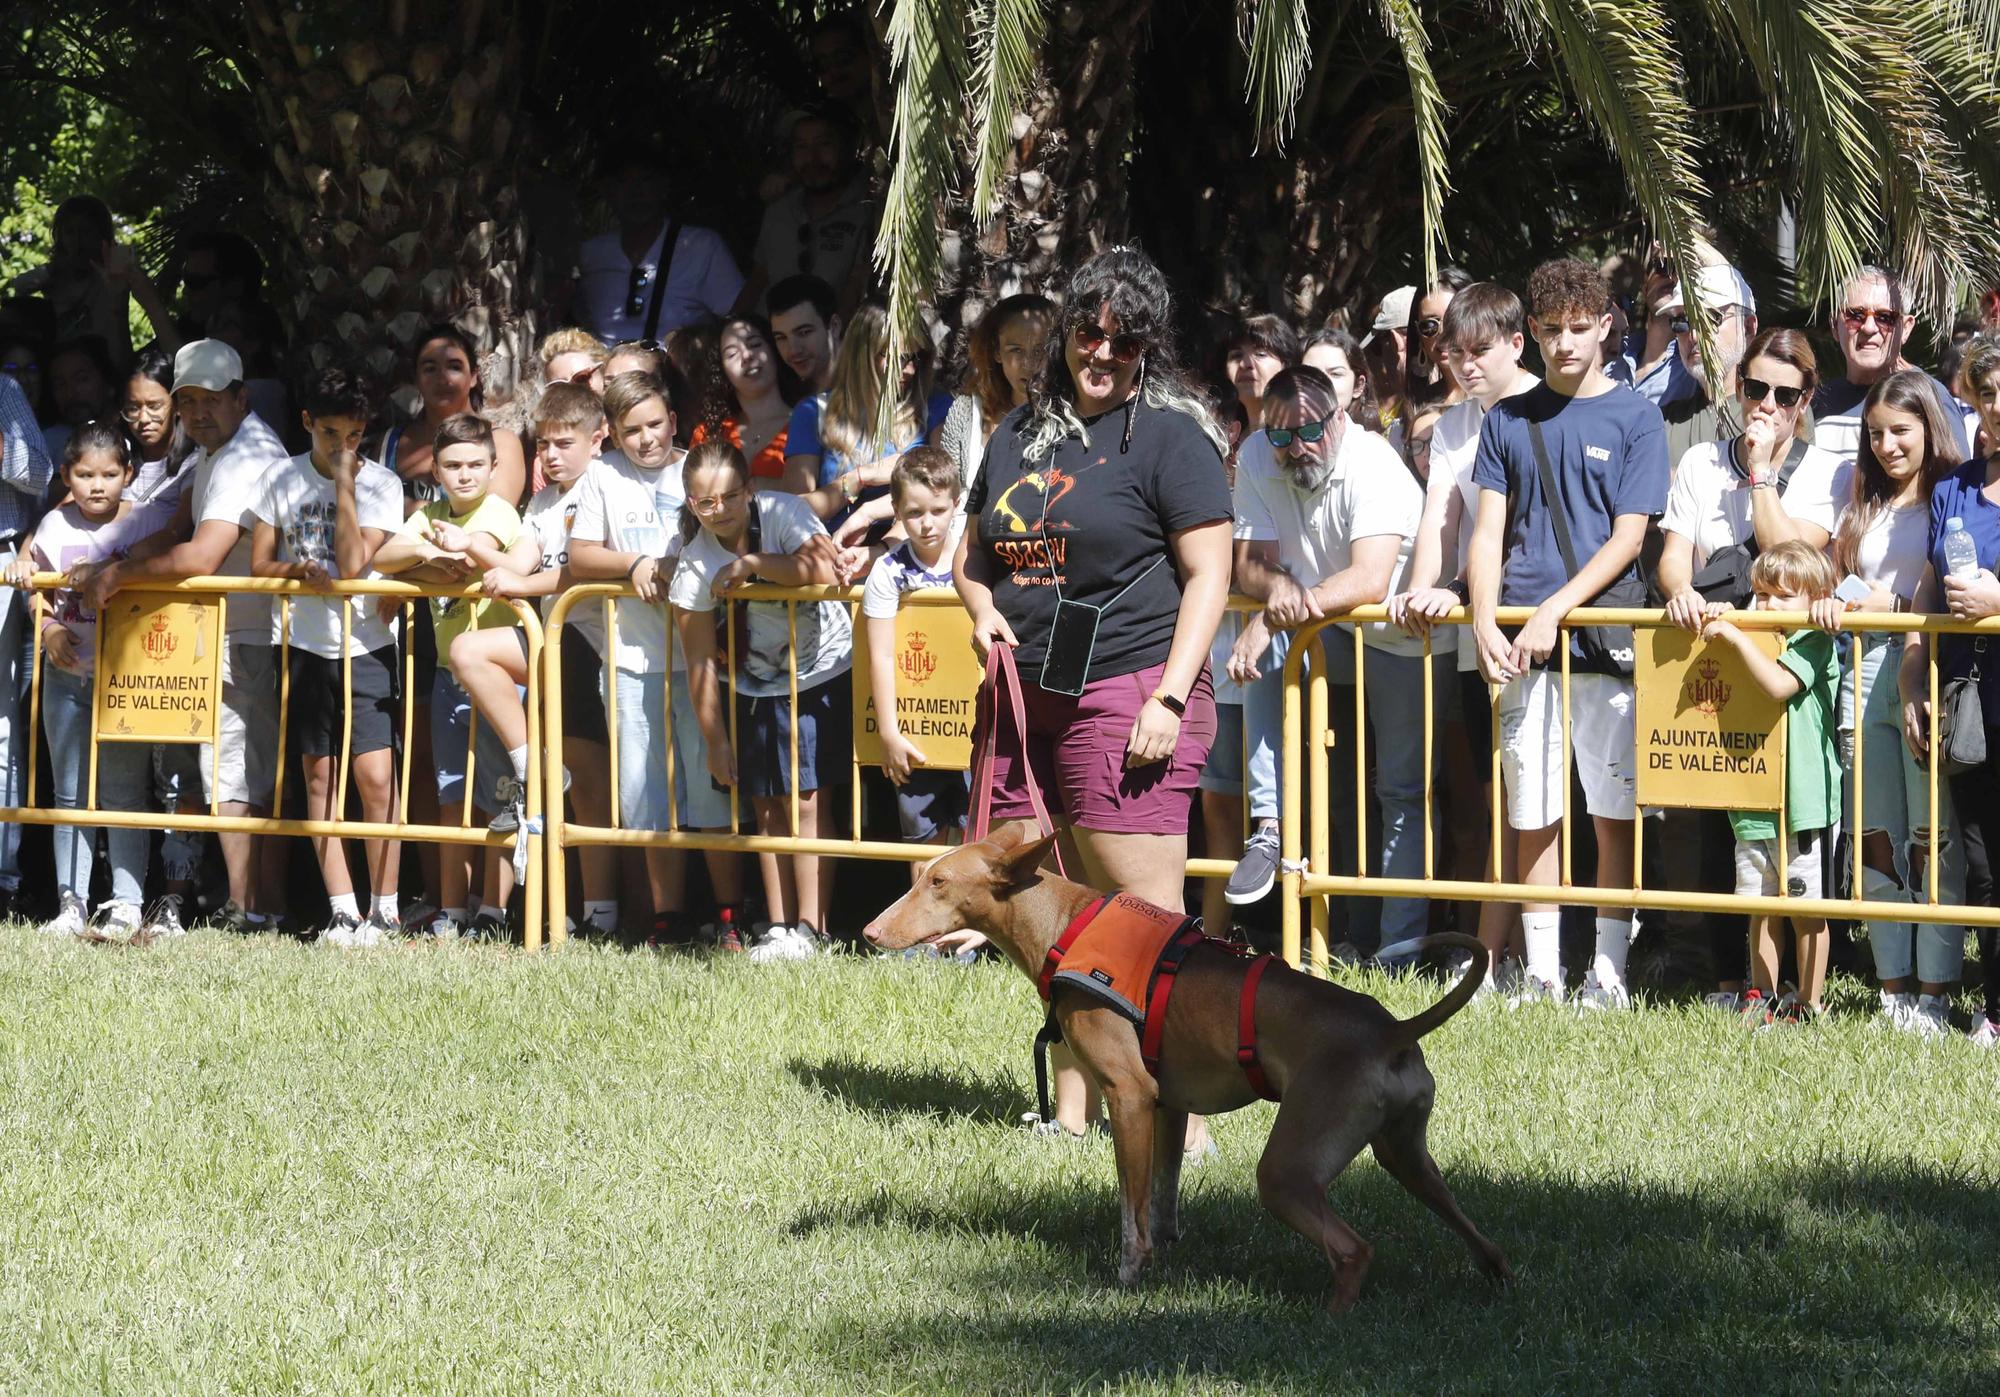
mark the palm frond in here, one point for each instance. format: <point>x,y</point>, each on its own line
<point>1427,105</point>
<point>927,53</point>
<point>1280,56</point>
<point>1621,64</point>
<point>1006,39</point>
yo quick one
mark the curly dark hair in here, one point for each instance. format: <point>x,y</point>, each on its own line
<point>1564,285</point>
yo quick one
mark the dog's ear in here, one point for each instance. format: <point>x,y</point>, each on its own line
<point>1013,834</point>
<point>1018,865</point>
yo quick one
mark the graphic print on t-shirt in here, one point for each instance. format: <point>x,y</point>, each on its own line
<point>1028,508</point>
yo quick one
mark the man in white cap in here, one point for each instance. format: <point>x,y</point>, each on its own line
<point>1872,322</point>
<point>211,537</point>
<point>1387,345</point>
<point>1709,412</point>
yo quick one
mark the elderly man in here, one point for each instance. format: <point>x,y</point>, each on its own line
<point>1709,413</point>
<point>1872,322</point>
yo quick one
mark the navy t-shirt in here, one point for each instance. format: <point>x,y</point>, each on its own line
<point>1962,495</point>
<point>1609,457</point>
<point>1090,519</point>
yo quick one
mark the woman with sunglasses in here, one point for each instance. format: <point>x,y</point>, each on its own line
<point>1097,545</point>
<point>1731,499</point>
<point>1908,452</point>
<point>1428,385</point>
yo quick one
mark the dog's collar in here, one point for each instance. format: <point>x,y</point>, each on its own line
<point>1054,959</point>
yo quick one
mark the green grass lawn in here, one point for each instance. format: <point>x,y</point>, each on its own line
<point>262,1167</point>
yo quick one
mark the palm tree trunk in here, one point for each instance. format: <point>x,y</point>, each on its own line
<point>396,150</point>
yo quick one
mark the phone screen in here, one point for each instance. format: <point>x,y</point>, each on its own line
<point>1072,639</point>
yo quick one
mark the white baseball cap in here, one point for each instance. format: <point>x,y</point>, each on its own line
<point>1393,313</point>
<point>1717,286</point>
<point>209,364</point>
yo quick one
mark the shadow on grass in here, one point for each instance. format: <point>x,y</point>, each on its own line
<point>1877,1274</point>
<point>878,1090</point>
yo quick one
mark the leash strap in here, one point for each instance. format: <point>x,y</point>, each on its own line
<point>1162,989</point>
<point>1051,1033</point>
<point>1001,670</point>
<point>1246,1030</point>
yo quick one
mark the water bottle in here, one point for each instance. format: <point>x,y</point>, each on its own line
<point>1961,554</point>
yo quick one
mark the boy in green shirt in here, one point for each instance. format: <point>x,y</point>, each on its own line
<point>455,540</point>
<point>1806,675</point>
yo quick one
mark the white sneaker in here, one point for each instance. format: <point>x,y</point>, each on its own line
<point>343,932</point>
<point>1987,1034</point>
<point>1595,996</point>
<point>443,928</point>
<point>784,942</point>
<point>120,920</point>
<point>1896,1011</point>
<point>70,919</point>
<point>1931,1019</point>
<point>1501,984</point>
<point>1535,990</point>
<point>1726,1001</point>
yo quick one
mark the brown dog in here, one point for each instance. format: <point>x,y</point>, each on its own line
<point>1347,1073</point>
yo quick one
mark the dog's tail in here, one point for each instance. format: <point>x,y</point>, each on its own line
<point>1459,995</point>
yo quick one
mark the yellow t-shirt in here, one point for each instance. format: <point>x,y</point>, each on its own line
<point>450,615</point>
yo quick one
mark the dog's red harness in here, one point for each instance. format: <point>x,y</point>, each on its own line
<point>1128,953</point>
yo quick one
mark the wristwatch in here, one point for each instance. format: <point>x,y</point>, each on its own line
<point>1177,707</point>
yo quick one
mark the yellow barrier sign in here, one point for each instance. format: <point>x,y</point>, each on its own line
<point>1709,737</point>
<point>158,669</point>
<point>937,683</point>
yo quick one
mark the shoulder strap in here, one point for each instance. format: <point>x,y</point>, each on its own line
<point>1793,460</point>
<point>667,245</point>
<point>1550,498</point>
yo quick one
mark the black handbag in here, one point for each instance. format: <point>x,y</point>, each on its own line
<point>1962,719</point>
<point>1600,649</point>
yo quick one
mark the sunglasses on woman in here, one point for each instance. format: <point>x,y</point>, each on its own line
<point>1755,390</point>
<point>1124,348</point>
<point>1307,432</point>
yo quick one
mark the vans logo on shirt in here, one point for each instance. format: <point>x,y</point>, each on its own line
<point>1597,453</point>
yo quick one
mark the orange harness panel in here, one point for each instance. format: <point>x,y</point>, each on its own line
<point>1126,952</point>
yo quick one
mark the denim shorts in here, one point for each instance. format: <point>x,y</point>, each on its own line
<point>931,802</point>
<point>452,721</point>
<point>1223,773</point>
<point>642,758</point>
<point>825,732</point>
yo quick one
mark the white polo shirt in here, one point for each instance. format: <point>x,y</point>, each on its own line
<point>1372,493</point>
<point>1710,504</point>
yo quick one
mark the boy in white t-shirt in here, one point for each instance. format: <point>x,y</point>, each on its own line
<point>924,488</point>
<point>492,665</point>
<point>323,516</point>
<point>1485,330</point>
<point>628,528</point>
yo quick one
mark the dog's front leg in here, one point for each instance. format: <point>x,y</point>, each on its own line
<point>1108,1048</point>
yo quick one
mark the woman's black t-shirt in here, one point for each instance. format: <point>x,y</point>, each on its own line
<point>1101,514</point>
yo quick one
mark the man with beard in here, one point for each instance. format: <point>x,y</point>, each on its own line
<point>1719,292</point>
<point>1325,515</point>
<point>824,224</point>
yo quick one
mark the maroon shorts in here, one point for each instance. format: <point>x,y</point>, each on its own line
<point>1076,747</point>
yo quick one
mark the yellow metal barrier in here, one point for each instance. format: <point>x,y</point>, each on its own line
<point>1306,729</point>
<point>564,835</point>
<point>221,589</point>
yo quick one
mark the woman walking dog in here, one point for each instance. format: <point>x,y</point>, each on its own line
<point>1097,545</point>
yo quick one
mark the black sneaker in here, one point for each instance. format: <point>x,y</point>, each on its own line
<point>488,927</point>
<point>232,918</point>
<point>670,929</point>
<point>822,943</point>
<point>1257,870</point>
<point>722,934</point>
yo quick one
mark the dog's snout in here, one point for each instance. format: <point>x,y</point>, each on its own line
<point>872,933</point>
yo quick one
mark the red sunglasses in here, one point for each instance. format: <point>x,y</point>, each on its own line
<point>1124,348</point>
